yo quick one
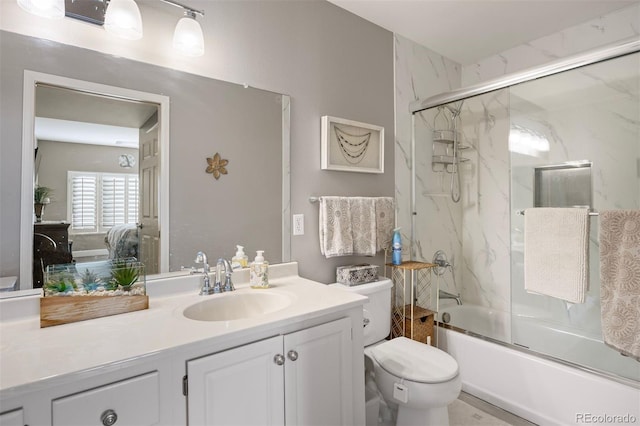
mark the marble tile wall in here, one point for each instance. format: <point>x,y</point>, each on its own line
<point>615,26</point>
<point>420,73</point>
<point>485,201</point>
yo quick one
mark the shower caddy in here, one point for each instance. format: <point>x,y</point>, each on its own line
<point>446,146</point>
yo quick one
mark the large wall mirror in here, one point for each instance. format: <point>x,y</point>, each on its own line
<point>248,127</point>
<point>96,160</point>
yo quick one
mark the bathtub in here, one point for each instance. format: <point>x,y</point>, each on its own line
<point>477,319</point>
<point>536,388</point>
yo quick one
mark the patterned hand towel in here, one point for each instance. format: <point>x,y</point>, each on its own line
<point>363,225</point>
<point>556,252</point>
<point>620,280</point>
<point>335,227</point>
<point>385,222</point>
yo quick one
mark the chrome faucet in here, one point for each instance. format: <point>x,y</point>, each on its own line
<point>206,280</point>
<point>446,295</point>
<point>228,284</point>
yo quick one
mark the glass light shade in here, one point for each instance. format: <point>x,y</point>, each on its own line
<point>123,19</point>
<point>188,37</point>
<point>46,8</point>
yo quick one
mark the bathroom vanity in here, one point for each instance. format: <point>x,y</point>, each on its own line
<point>296,360</point>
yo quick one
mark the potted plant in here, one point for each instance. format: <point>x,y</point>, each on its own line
<point>124,275</point>
<point>40,199</point>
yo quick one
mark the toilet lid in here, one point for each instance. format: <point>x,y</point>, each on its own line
<point>415,361</point>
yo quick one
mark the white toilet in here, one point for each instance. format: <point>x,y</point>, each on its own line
<point>420,379</point>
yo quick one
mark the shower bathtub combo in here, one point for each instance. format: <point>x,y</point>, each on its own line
<point>536,356</point>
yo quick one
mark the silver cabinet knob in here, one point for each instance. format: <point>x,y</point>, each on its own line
<point>365,322</point>
<point>109,418</point>
<point>292,355</point>
<point>278,359</point>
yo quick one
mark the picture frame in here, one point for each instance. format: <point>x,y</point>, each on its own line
<point>351,146</point>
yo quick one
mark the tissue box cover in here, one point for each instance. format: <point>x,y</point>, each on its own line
<point>356,274</point>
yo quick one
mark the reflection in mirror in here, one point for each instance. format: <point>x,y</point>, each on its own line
<point>87,153</point>
<point>102,193</point>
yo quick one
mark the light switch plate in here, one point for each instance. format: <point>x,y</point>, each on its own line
<point>298,224</point>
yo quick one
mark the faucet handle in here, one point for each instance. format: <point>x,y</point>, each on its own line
<point>192,270</point>
<point>228,284</point>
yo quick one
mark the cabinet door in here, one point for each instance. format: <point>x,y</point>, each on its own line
<point>318,375</point>
<point>241,386</point>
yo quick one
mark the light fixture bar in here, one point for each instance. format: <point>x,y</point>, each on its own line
<point>182,6</point>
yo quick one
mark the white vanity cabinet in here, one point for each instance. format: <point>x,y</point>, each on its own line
<point>304,377</point>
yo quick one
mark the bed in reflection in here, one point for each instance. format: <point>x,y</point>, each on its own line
<point>122,241</point>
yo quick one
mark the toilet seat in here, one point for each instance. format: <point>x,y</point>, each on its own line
<point>415,361</point>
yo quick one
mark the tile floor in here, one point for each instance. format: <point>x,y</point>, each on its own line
<point>468,410</point>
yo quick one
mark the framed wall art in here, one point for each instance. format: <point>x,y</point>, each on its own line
<point>351,146</point>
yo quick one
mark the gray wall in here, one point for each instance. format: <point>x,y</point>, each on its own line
<point>57,158</point>
<point>329,61</point>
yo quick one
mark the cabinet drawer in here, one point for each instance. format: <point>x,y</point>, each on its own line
<point>133,401</point>
<point>12,418</point>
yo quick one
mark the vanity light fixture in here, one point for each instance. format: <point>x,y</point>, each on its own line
<point>45,8</point>
<point>187,37</point>
<point>123,19</point>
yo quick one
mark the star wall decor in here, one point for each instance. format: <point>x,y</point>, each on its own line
<point>217,166</point>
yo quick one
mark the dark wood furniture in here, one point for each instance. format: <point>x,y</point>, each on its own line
<point>51,246</point>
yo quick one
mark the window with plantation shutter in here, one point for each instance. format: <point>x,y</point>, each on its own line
<point>83,190</point>
<point>99,201</point>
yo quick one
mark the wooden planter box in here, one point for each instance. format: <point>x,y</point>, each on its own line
<point>67,309</point>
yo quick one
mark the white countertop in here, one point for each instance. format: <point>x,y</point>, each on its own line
<point>29,354</point>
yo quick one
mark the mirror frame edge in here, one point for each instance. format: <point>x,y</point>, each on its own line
<point>286,178</point>
<point>31,78</point>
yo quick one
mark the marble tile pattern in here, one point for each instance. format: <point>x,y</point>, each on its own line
<point>607,29</point>
<point>420,73</point>
<point>485,201</point>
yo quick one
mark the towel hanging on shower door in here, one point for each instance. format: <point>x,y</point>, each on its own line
<point>556,252</point>
<point>620,280</point>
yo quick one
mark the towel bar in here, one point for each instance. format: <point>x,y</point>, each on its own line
<point>521,213</point>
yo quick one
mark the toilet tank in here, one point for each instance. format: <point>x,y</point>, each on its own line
<point>377,311</point>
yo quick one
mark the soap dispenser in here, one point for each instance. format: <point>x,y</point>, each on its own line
<point>240,260</point>
<point>259,271</point>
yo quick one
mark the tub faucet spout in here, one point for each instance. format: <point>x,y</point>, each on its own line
<point>446,295</point>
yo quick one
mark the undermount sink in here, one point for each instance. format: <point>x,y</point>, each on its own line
<point>234,306</point>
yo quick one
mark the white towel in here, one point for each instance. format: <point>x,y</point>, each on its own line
<point>335,227</point>
<point>620,280</point>
<point>556,252</point>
